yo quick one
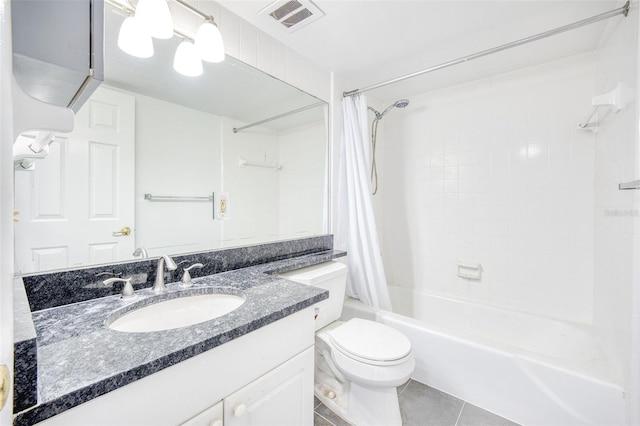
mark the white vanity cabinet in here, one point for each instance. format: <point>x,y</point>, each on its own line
<point>279,398</point>
<point>264,377</point>
<point>212,416</point>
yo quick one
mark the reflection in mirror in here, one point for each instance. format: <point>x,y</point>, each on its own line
<point>149,130</point>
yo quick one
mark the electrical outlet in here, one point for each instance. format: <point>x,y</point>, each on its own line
<point>221,205</point>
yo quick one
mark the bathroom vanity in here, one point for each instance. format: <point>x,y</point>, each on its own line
<point>253,365</point>
<point>263,377</point>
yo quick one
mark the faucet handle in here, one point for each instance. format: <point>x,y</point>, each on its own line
<point>195,265</point>
<point>104,273</point>
<point>127,290</point>
<point>142,252</point>
<point>186,277</point>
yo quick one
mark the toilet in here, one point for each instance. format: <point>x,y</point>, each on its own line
<point>358,363</point>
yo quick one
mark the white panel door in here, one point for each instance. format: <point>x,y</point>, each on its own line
<point>76,198</point>
<point>282,397</point>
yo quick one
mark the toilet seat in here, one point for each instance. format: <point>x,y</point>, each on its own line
<point>361,366</point>
<point>370,342</point>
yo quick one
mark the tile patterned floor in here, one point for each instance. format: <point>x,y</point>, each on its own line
<point>421,405</point>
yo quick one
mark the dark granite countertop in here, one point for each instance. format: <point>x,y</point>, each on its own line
<point>80,358</point>
<point>24,351</point>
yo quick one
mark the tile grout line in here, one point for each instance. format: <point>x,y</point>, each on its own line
<point>460,413</point>
<point>320,415</point>
<point>404,387</point>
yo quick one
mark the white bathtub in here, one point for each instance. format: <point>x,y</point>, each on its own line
<point>532,370</point>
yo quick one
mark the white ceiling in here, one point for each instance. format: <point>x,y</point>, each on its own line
<point>368,41</point>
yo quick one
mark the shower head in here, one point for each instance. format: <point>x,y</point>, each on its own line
<point>401,103</point>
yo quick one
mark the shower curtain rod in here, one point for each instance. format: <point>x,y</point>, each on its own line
<point>266,120</point>
<point>624,10</point>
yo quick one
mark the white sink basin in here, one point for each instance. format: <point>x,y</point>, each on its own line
<point>176,313</point>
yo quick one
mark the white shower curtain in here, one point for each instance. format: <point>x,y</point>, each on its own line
<point>356,227</point>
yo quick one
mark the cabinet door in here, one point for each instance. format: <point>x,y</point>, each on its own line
<point>212,416</point>
<point>282,397</point>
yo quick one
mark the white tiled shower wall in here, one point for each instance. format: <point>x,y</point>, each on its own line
<point>616,212</point>
<point>495,171</point>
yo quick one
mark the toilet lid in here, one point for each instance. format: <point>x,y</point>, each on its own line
<point>370,341</point>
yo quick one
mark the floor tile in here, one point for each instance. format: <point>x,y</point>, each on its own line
<point>332,417</point>
<point>318,420</point>
<point>422,405</point>
<point>403,386</point>
<point>476,416</point>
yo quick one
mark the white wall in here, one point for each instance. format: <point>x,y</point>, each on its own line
<point>303,155</point>
<point>634,391</point>
<point>616,212</point>
<point>495,171</point>
<point>178,152</point>
<point>254,191</point>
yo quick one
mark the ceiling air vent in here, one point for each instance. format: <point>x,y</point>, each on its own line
<point>292,14</point>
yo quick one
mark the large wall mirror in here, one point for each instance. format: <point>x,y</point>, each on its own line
<point>149,150</point>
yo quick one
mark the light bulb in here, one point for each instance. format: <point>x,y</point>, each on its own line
<point>134,40</point>
<point>209,43</point>
<point>155,16</point>
<point>186,61</point>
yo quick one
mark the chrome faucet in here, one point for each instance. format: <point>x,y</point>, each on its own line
<point>159,286</point>
<point>142,252</point>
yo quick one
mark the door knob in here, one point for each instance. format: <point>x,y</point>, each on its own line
<point>123,232</point>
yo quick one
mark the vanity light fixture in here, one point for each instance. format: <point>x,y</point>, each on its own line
<point>155,17</point>
<point>152,18</point>
<point>208,42</point>
<point>134,40</point>
<point>187,61</point>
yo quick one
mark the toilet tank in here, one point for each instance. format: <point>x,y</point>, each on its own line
<point>331,276</point>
